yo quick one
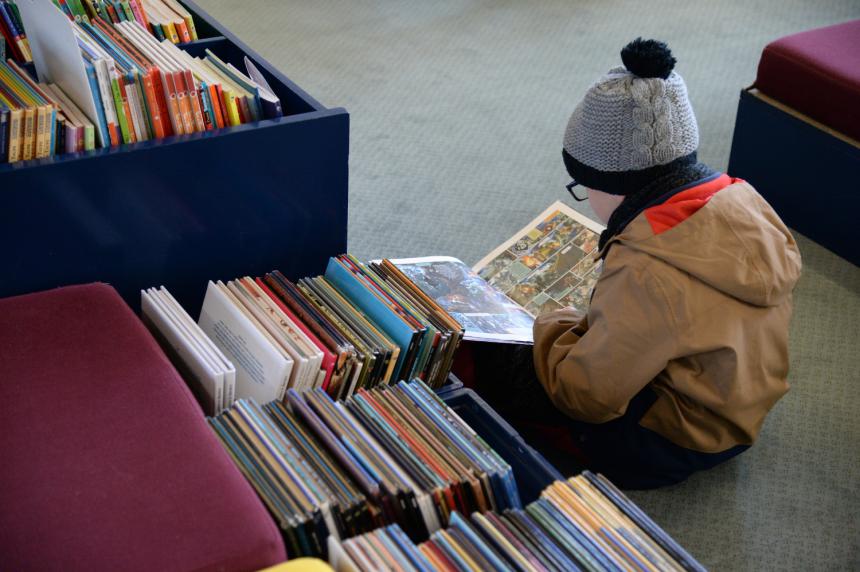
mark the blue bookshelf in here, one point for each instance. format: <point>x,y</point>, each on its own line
<point>182,210</point>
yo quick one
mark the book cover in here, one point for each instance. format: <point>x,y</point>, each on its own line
<point>402,333</point>
<point>261,368</point>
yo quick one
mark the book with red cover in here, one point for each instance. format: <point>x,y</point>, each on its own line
<point>329,358</point>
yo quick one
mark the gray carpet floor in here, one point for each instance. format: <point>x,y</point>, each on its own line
<point>457,113</point>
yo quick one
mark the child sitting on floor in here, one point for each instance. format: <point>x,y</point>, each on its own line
<point>684,348</point>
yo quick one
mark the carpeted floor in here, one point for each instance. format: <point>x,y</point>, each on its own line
<point>458,109</point>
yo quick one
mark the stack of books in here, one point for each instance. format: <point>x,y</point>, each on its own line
<point>584,523</point>
<point>341,468</point>
<point>12,31</point>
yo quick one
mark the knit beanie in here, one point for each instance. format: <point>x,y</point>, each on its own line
<point>634,125</point>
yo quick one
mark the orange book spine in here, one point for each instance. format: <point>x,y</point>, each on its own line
<point>182,30</point>
<point>115,136</point>
<point>173,102</point>
<point>184,103</point>
<point>160,96</point>
<point>196,106</point>
<point>217,103</point>
<point>155,112</point>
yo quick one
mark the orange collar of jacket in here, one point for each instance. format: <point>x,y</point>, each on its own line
<point>682,206</point>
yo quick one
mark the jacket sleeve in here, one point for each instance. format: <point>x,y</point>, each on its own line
<point>591,368</point>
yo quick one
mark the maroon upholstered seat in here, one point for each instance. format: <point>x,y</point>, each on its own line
<point>817,73</point>
<point>107,461</point>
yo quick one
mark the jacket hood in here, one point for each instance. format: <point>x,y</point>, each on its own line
<point>726,235</point>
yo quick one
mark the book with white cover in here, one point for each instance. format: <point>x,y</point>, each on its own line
<point>216,355</point>
<point>300,362</point>
<point>299,340</point>
<point>187,349</point>
<point>262,368</point>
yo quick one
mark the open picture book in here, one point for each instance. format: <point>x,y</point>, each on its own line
<point>547,265</point>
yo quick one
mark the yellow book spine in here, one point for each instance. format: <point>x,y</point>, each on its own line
<point>16,122</point>
<point>43,132</point>
<point>29,139</point>
<point>189,23</point>
<point>232,106</point>
<point>170,32</point>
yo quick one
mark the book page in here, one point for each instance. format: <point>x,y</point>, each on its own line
<point>549,264</point>
<point>485,313</point>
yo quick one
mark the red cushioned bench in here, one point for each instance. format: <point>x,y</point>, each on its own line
<point>817,73</point>
<point>107,461</point>
<point>797,133</point>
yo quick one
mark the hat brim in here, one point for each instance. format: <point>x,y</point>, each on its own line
<point>620,182</point>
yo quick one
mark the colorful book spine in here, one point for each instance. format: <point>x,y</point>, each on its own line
<point>111,12</point>
<point>100,110</point>
<point>14,32</point>
<point>4,133</point>
<point>127,11</point>
<point>28,140</point>
<point>170,32</point>
<point>182,31</point>
<point>157,31</point>
<point>139,13</point>
<point>78,11</point>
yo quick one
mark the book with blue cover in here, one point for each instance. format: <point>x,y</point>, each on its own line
<point>384,312</point>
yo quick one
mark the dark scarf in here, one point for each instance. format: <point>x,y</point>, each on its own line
<point>655,193</point>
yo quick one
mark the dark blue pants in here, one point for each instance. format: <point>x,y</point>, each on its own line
<point>630,455</point>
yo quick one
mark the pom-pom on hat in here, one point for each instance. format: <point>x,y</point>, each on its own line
<point>634,125</point>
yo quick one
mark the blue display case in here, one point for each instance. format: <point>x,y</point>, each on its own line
<point>186,209</point>
<point>805,172</point>
<point>532,471</point>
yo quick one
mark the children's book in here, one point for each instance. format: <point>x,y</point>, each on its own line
<point>550,264</point>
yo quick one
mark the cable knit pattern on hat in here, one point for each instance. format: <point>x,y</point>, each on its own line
<point>633,125</point>
<point>627,123</point>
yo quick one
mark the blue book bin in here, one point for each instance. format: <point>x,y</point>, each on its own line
<point>186,209</point>
<point>532,471</point>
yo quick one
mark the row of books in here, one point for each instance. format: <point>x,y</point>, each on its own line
<point>584,523</point>
<point>12,32</point>
<point>130,88</point>
<point>164,19</point>
<point>150,90</point>
<point>396,454</point>
<point>356,327</point>
<point>30,125</point>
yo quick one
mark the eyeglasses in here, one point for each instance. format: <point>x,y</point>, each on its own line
<point>569,188</point>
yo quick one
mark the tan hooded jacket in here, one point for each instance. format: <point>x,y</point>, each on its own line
<point>695,300</point>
